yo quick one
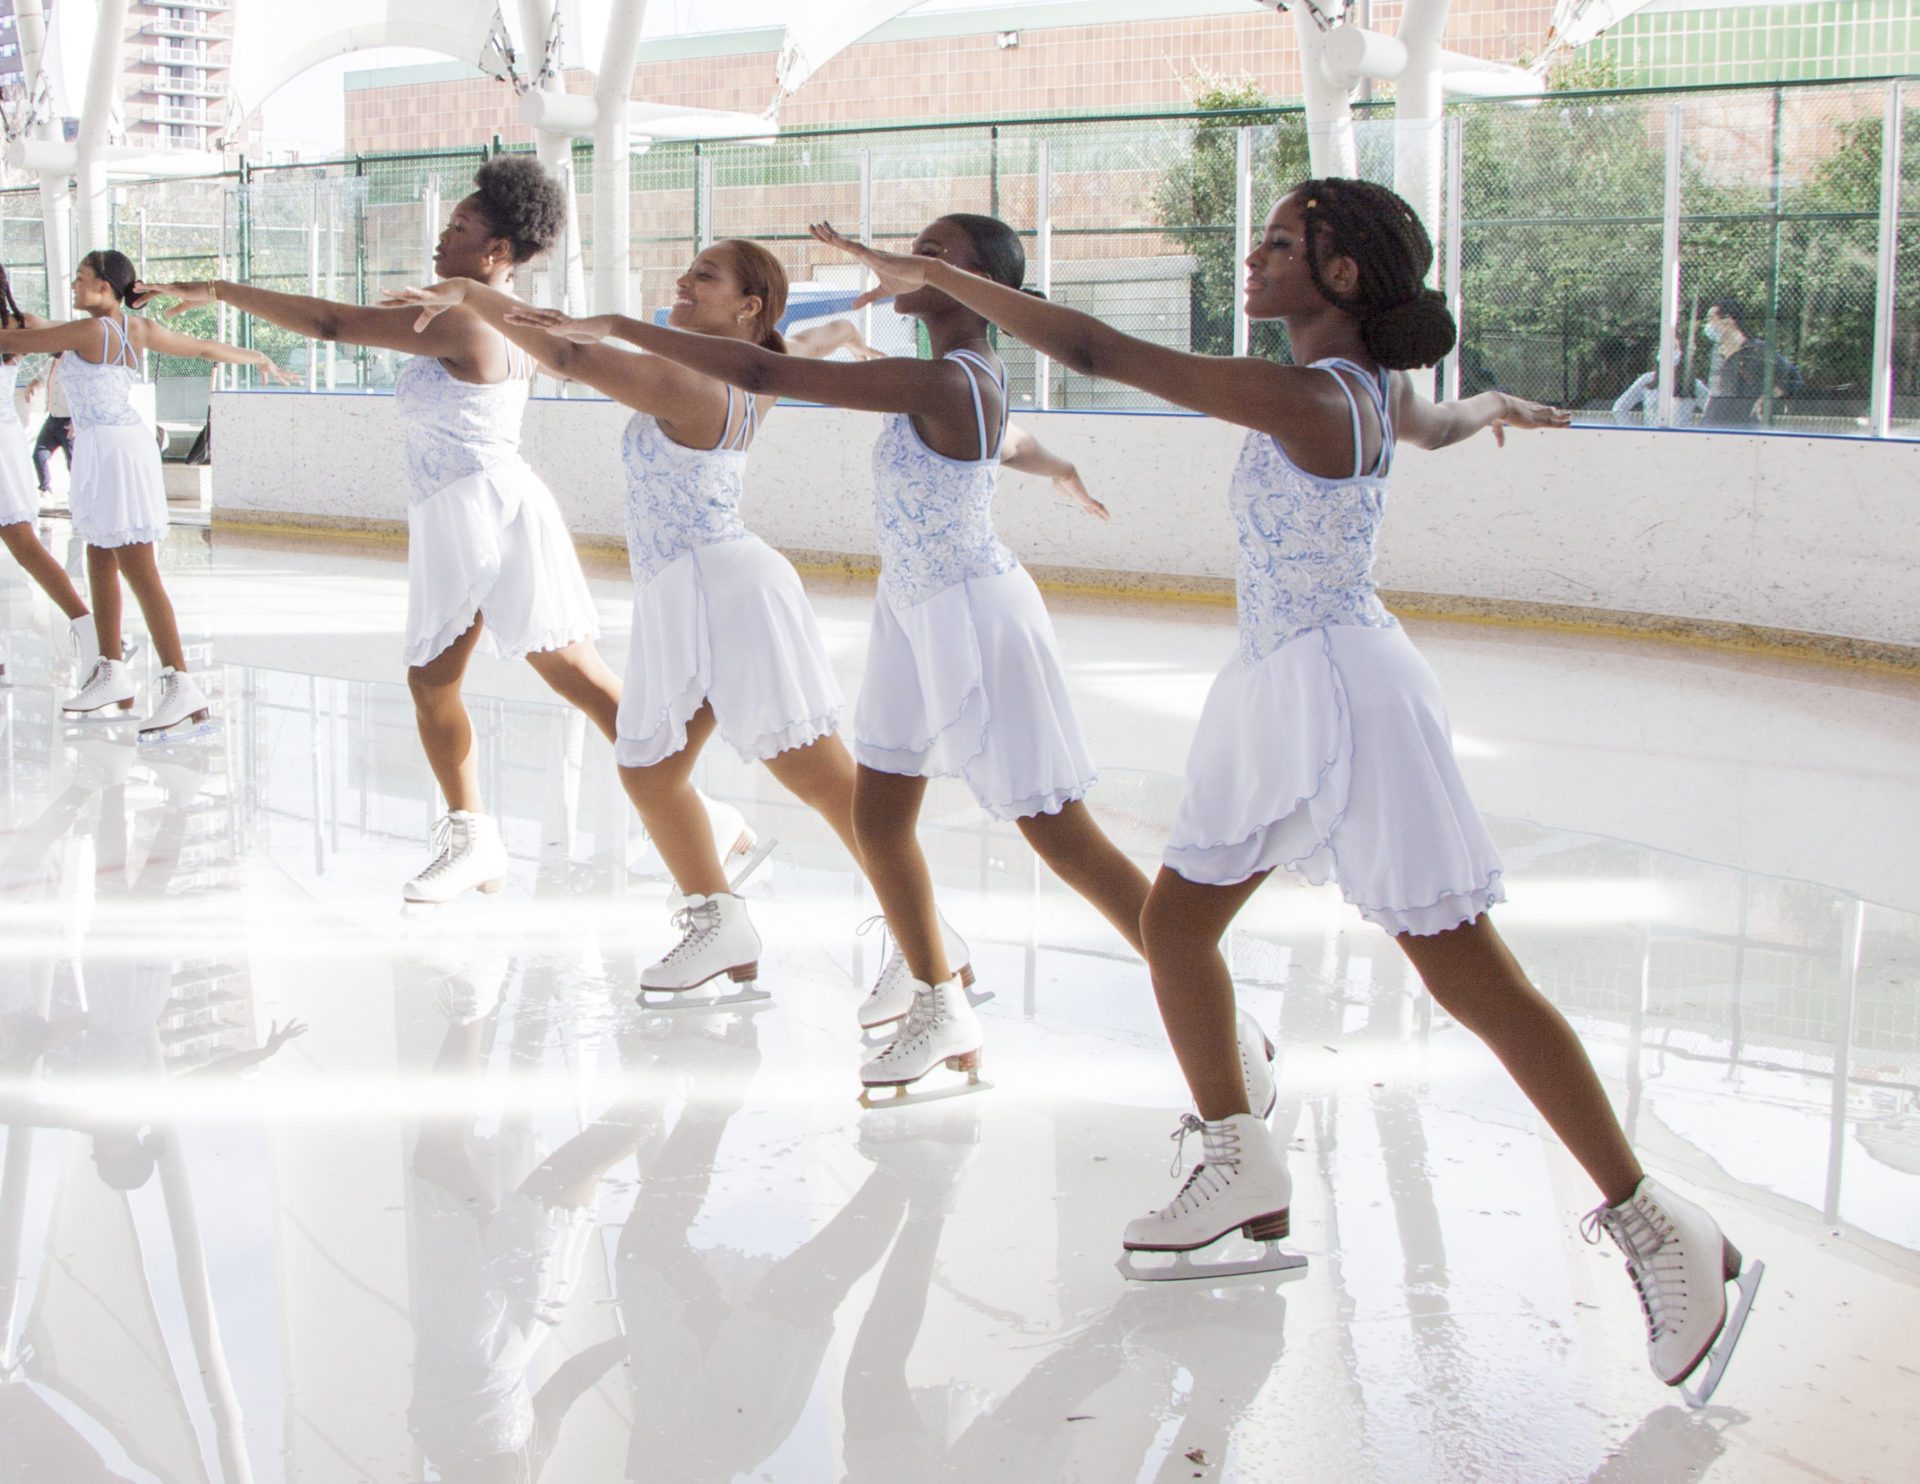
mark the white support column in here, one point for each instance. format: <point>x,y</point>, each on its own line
<point>703,195</point>
<point>56,196</point>
<point>1242,230</point>
<point>559,284</point>
<point>1330,144</point>
<point>613,160</point>
<point>1418,115</point>
<point>328,289</point>
<point>314,217</point>
<point>429,229</point>
<point>1043,260</point>
<point>866,228</point>
<point>1880,401</point>
<point>103,83</point>
<point>1456,220</point>
<point>1664,362</point>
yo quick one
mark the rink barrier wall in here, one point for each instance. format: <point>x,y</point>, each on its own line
<point>1760,541</point>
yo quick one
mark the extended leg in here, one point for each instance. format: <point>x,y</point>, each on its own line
<point>103,584</point>
<point>580,676</point>
<point>141,568</point>
<point>446,730</point>
<point>821,776</point>
<point>1182,925</point>
<point>886,811</point>
<point>675,818</point>
<point>24,545</point>
<point>1078,851</point>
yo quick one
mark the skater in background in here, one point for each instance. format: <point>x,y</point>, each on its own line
<point>20,499</point>
<point>963,677</point>
<point>119,502</point>
<point>56,430</point>
<point>490,566</point>
<point>1323,746</point>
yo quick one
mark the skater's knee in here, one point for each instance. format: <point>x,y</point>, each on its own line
<point>431,691</point>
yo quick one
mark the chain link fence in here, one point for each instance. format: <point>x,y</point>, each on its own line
<point>1555,211</point>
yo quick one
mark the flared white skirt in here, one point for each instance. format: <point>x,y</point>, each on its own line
<point>118,496</point>
<point>727,624</point>
<point>1333,757</point>
<point>19,489</point>
<point>494,545</point>
<point>968,685</point>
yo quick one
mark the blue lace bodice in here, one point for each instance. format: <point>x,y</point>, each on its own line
<point>455,429</point>
<point>933,516</point>
<point>679,497</point>
<point>98,393</point>
<point>1306,542</point>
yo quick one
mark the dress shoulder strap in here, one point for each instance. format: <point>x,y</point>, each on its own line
<point>743,421</point>
<point>1376,386</point>
<point>977,365</point>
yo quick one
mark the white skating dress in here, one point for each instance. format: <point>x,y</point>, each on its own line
<point>718,615</point>
<point>118,496</point>
<point>19,490</point>
<point>963,675</point>
<point>1324,744</point>
<point>484,535</point>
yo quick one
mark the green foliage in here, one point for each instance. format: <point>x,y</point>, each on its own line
<point>1194,200</point>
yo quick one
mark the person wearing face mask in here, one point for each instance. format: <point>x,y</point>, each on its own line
<point>1640,403</point>
<point>1737,386</point>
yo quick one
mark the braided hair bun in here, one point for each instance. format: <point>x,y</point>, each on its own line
<point>1403,323</point>
<point>1415,333</point>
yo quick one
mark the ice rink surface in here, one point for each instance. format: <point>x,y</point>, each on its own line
<point>488,1219</point>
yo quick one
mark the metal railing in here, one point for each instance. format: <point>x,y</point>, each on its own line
<point>1583,238</point>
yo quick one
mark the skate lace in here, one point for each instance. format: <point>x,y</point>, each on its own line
<point>98,679</point>
<point>918,1028</point>
<point>1659,1274</point>
<point>1212,1175</point>
<point>697,925</point>
<point>169,691</point>
<point>442,847</point>
<point>887,948</point>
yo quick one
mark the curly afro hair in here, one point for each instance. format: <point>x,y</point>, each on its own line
<point>522,203</point>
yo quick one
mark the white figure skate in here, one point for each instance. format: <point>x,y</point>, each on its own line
<point>108,688</point>
<point>180,713</point>
<point>1241,1185</point>
<point>892,994</point>
<point>1681,1264</point>
<point>468,854</point>
<point>82,643</point>
<point>1256,1065</point>
<point>716,938</point>
<point>940,1030</point>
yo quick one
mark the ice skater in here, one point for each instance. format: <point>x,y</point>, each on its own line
<point>119,501</point>
<point>20,498</point>
<point>963,676</point>
<point>723,638</point>
<point>490,565</point>
<point>1324,744</point>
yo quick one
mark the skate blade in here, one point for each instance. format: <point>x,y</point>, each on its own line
<point>187,731</point>
<point>679,1001</point>
<point>1147,1267</point>
<point>908,1094</point>
<point>1722,1352</point>
<point>756,857</point>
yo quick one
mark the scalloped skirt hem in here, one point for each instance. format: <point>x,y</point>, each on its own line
<point>728,625</point>
<point>968,685</point>
<point>493,545</point>
<point>1353,781</point>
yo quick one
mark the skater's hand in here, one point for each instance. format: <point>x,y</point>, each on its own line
<point>433,299</point>
<point>188,296</point>
<point>897,272</point>
<point>277,373</point>
<point>874,295</point>
<point>1517,412</point>
<point>1073,488</point>
<point>278,1035</point>
<point>588,331</point>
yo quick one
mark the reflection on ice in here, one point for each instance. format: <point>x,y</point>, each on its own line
<point>491,1219</point>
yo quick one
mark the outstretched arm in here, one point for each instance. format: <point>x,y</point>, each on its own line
<point>453,338</point>
<point>1025,454</point>
<point>166,342</point>
<point>1245,390</point>
<point>74,334</point>
<point>646,383</point>
<point>1427,424</point>
<point>892,384</point>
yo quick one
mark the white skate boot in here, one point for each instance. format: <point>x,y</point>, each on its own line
<point>180,712</point>
<point>892,994</point>
<point>716,938</point>
<point>1256,1065</point>
<point>1241,1184</point>
<point>467,854</point>
<point>940,1029</point>
<point>108,686</point>
<point>1681,1265</point>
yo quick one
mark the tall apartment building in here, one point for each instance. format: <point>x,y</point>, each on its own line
<point>13,73</point>
<point>174,81</point>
